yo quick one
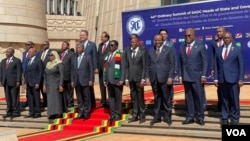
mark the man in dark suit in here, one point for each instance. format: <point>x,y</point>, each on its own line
<point>45,59</point>
<point>82,67</point>
<point>114,79</point>
<point>33,75</point>
<point>25,59</point>
<point>229,76</point>
<point>103,49</point>
<point>160,73</point>
<point>90,49</point>
<point>217,44</point>
<point>193,70</point>
<point>66,55</point>
<point>10,79</point>
<point>135,64</point>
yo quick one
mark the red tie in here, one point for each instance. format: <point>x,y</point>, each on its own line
<point>62,56</point>
<point>7,63</point>
<point>104,48</point>
<point>225,54</point>
<point>188,50</point>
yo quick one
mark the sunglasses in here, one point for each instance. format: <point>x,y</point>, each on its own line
<point>51,55</point>
<point>111,45</point>
<point>28,44</point>
<point>44,44</point>
<point>188,35</point>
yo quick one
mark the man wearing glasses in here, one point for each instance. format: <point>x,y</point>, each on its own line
<point>193,70</point>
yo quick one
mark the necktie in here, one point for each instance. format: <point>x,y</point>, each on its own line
<point>158,52</point>
<point>62,56</point>
<point>110,57</point>
<point>188,50</point>
<point>79,61</point>
<point>104,47</point>
<point>133,54</point>
<point>225,53</point>
<point>27,55</point>
<point>7,63</point>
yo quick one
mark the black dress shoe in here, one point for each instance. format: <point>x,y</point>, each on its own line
<point>15,115</point>
<point>133,119</point>
<point>188,121</point>
<point>142,120</point>
<point>201,122</point>
<point>25,104</point>
<point>37,116</point>
<point>168,121</point>
<point>7,115</point>
<point>28,116</point>
<point>155,121</point>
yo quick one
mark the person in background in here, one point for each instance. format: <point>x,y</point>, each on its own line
<point>53,85</point>
<point>10,79</point>
<point>82,67</point>
<point>66,57</point>
<point>229,77</point>
<point>114,79</point>
<point>193,70</point>
<point>103,49</point>
<point>90,49</point>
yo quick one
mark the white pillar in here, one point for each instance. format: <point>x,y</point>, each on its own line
<point>48,7</point>
<point>68,7</point>
<point>74,8</point>
<point>54,7</point>
<point>62,7</point>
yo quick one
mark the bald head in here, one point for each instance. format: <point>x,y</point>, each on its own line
<point>227,37</point>
<point>10,52</point>
<point>158,40</point>
<point>189,35</point>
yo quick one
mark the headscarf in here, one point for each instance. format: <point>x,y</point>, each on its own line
<point>53,63</point>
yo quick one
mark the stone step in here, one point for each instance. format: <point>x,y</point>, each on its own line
<point>207,119</point>
<point>24,113</point>
<point>22,119</point>
<point>35,125</point>
<point>168,131</point>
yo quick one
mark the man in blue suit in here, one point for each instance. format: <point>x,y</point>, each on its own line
<point>229,76</point>
<point>160,73</point>
<point>90,49</point>
<point>193,70</point>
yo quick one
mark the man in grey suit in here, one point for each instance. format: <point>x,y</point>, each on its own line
<point>114,79</point>
<point>10,79</point>
<point>82,77</point>
<point>160,73</point>
<point>90,49</point>
<point>103,49</point>
<point>65,56</point>
<point>135,66</point>
<point>193,70</point>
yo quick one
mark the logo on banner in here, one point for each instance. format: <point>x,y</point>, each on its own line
<point>248,44</point>
<point>238,35</point>
<point>135,25</point>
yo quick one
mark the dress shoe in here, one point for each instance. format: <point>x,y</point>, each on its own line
<point>168,121</point>
<point>224,122</point>
<point>43,105</point>
<point>133,119</point>
<point>37,116</point>
<point>86,117</point>
<point>188,121</point>
<point>15,115</point>
<point>7,115</point>
<point>155,121</point>
<point>142,120</point>
<point>201,122</point>
<point>28,116</point>
<point>25,104</point>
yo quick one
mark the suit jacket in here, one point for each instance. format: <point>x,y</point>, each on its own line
<point>214,47</point>
<point>110,71</point>
<point>195,65</point>
<point>171,44</point>
<point>90,49</point>
<point>135,68</point>
<point>11,75</point>
<point>67,64</point>
<point>25,59</point>
<point>46,58</point>
<point>162,68</point>
<point>84,73</point>
<point>101,56</point>
<point>34,72</point>
<point>232,69</point>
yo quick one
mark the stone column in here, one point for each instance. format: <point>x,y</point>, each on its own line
<point>48,6</point>
<point>54,7</point>
<point>74,7</point>
<point>68,7</point>
<point>62,7</point>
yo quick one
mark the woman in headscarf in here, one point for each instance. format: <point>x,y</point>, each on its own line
<point>53,85</point>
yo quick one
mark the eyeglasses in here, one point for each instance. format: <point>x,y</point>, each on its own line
<point>111,45</point>
<point>44,44</point>
<point>188,35</point>
<point>51,55</point>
